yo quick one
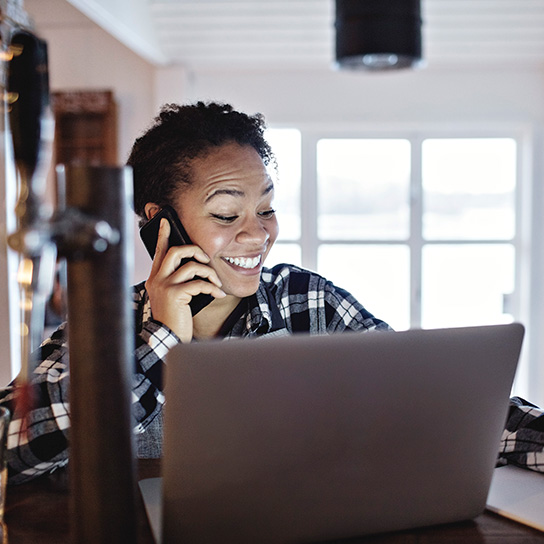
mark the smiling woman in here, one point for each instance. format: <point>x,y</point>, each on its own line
<point>210,164</point>
<point>229,209</point>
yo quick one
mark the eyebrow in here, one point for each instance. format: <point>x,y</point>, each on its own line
<point>236,192</point>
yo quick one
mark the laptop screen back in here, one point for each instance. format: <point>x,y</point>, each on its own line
<point>301,439</point>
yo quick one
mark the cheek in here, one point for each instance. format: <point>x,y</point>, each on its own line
<point>273,231</point>
<point>213,242</point>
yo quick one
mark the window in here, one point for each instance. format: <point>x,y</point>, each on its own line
<point>362,193</point>
<point>363,215</point>
<point>423,228</point>
<point>469,211</point>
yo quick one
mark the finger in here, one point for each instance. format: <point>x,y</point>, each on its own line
<point>177,255</point>
<point>162,245</point>
<point>193,269</point>
<point>198,287</point>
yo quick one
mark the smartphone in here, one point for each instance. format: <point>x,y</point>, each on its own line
<point>149,234</point>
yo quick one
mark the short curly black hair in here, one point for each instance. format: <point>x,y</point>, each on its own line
<point>161,157</point>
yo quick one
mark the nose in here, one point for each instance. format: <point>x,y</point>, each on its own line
<point>253,231</point>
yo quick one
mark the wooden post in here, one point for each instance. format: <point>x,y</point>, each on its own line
<point>101,336</point>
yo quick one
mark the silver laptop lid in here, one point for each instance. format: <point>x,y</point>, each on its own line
<point>302,439</point>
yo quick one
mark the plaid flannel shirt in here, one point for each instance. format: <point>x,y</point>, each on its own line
<point>522,440</point>
<point>289,300</point>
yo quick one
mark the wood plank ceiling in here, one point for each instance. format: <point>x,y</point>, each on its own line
<point>299,34</point>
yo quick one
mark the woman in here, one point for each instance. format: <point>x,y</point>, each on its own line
<point>208,162</point>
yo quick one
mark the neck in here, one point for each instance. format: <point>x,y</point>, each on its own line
<point>208,322</point>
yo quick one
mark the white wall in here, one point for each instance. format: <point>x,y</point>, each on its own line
<point>433,96</point>
<point>84,56</point>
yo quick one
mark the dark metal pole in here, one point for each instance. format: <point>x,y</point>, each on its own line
<point>101,350</point>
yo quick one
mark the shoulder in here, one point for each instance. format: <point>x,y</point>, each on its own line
<point>295,280</point>
<point>284,274</point>
<point>290,284</point>
<point>318,303</point>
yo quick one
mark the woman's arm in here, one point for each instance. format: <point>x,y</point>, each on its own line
<point>38,443</point>
<point>152,344</point>
<point>522,441</point>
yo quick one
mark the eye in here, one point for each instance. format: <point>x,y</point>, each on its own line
<point>268,213</point>
<point>224,218</point>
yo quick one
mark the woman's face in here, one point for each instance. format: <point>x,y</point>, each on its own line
<point>227,211</point>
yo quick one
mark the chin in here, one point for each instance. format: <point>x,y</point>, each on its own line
<point>242,291</point>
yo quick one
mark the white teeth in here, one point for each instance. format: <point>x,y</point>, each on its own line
<point>244,262</point>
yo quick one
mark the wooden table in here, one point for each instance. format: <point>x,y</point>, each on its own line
<point>38,513</point>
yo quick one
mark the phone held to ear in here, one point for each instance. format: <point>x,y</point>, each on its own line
<point>149,234</point>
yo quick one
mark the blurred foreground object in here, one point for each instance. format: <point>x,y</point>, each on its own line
<point>92,229</point>
<point>32,129</point>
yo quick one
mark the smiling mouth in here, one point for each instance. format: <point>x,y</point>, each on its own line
<point>244,262</point>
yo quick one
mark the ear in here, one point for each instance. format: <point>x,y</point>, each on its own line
<point>151,209</point>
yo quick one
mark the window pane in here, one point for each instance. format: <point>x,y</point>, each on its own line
<point>466,284</point>
<point>285,143</point>
<point>363,189</point>
<point>376,275</point>
<point>284,253</point>
<point>469,187</point>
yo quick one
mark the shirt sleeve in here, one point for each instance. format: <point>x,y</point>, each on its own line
<point>522,441</point>
<point>38,443</point>
<point>152,344</point>
<point>153,341</point>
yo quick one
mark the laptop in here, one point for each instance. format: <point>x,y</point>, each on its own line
<point>314,438</point>
<point>518,494</point>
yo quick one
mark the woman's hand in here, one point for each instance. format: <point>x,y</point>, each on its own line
<point>170,287</point>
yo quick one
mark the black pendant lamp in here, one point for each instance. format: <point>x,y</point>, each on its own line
<point>378,34</point>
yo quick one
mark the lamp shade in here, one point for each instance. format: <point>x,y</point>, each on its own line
<point>378,34</point>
